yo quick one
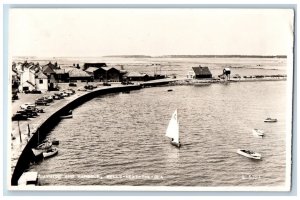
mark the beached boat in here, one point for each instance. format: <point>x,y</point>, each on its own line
<point>270,120</point>
<point>69,115</point>
<point>50,152</point>
<point>258,132</point>
<point>66,116</point>
<point>170,90</point>
<point>249,154</point>
<point>173,130</point>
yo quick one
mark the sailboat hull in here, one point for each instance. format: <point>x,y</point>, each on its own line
<point>178,145</point>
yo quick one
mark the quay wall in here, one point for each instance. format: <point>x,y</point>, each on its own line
<point>44,128</point>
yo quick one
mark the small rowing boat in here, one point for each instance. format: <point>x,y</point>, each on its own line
<point>249,154</point>
<point>50,152</point>
<point>270,120</point>
<point>258,132</point>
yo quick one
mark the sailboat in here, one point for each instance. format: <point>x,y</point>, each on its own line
<point>173,130</point>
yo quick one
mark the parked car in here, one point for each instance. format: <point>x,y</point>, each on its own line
<point>41,102</point>
<point>72,84</point>
<point>106,84</point>
<point>58,96</point>
<point>19,116</point>
<point>89,87</point>
<point>73,91</point>
<point>27,105</point>
<point>27,113</point>
<point>64,94</point>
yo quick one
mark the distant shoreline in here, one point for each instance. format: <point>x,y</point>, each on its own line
<point>163,56</point>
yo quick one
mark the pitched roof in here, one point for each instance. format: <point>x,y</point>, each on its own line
<point>106,68</point>
<point>48,69</point>
<point>201,70</point>
<point>135,74</point>
<point>98,65</point>
<point>91,69</point>
<point>59,71</point>
<point>41,75</point>
<point>78,73</point>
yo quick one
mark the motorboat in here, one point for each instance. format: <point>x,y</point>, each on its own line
<point>249,154</point>
<point>258,132</point>
<point>270,120</point>
<point>50,152</point>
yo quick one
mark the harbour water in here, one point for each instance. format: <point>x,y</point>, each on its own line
<point>119,139</point>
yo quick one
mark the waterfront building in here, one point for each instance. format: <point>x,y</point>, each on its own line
<point>109,74</point>
<point>27,77</point>
<point>190,75</point>
<point>96,65</point>
<point>95,72</point>
<point>61,75</point>
<point>79,75</point>
<point>41,82</point>
<point>202,72</point>
<point>136,76</point>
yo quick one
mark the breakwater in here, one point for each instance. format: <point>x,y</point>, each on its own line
<point>45,126</point>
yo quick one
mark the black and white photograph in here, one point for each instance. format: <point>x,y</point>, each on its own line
<point>150,99</point>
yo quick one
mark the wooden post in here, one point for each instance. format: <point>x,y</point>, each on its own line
<point>28,130</point>
<point>19,131</point>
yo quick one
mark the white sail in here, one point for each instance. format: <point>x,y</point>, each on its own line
<point>173,128</point>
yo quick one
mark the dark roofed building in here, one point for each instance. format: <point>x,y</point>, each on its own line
<point>78,74</point>
<point>48,70</point>
<point>136,76</point>
<point>110,74</point>
<point>95,72</point>
<point>202,72</point>
<point>61,75</point>
<point>97,65</point>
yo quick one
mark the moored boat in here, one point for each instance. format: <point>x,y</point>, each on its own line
<point>249,154</point>
<point>258,132</point>
<point>50,152</point>
<point>44,146</point>
<point>270,120</point>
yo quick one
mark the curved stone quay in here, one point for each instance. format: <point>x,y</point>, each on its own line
<point>39,127</point>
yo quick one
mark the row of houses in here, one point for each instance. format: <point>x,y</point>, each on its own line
<point>29,76</point>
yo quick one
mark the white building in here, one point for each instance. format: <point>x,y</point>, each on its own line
<point>41,82</point>
<point>190,75</point>
<point>27,78</point>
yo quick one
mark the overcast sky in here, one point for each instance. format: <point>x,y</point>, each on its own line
<point>98,32</point>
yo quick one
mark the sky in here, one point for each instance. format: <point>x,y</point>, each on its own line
<point>98,32</point>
